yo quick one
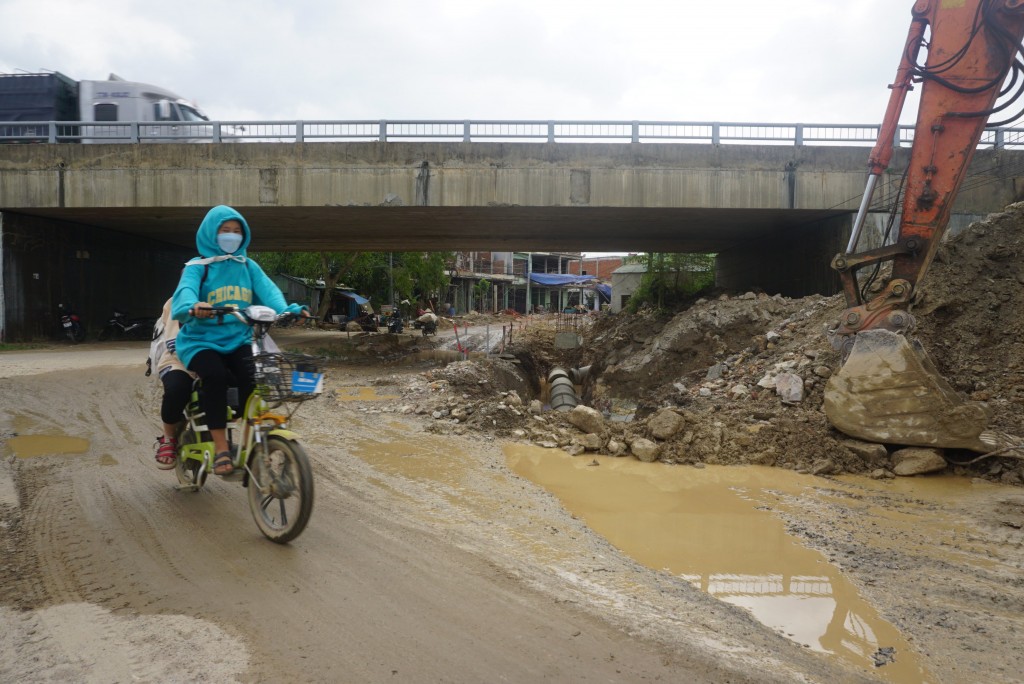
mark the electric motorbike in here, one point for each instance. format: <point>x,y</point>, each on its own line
<point>266,453</point>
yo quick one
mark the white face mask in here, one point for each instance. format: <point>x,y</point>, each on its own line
<point>229,242</point>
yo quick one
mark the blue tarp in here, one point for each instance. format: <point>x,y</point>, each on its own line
<point>605,291</point>
<point>358,299</point>
<point>560,279</point>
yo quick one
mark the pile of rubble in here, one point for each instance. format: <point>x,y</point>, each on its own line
<point>739,379</point>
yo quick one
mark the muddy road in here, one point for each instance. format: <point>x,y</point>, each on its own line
<point>426,560</point>
<point>110,574</point>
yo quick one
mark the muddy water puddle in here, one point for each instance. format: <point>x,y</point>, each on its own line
<point>428,458</point>
<point>448,471</point>
<point>363,394</point>
<point>714,528</point>
<point>29,446</point>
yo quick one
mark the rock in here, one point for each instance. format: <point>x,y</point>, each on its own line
<point>771,336</point>
<point>715,372</point>
<point>823,466</point>
<point>823,371</point>
<point>917,461</point>
<point>1011,478</point>
<point>740,390</point>
<point>535,408</point>
<point>665,423</point>
<point>767,382</point>
<point>615,447</point>
<point>591,441</point>
<point>519,434</point>
<point>881,474</point>
<point>513,399</point>
<point>869,452</point>
<point>587,419</point>
<point>645,450</point>
<point>547,445</point>
<point>573,449</point>
<point>352,326</point>
<point>790,388</point>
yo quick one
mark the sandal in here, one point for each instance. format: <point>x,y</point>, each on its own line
<point>222,464</point>
<point>166,452</point>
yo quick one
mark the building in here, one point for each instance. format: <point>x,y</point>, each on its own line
<point>517,283</point>
<point>625,281</point>
<point>600,266</point>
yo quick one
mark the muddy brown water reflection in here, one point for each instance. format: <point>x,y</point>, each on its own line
<point>714,528</point>
<point>28,446</point>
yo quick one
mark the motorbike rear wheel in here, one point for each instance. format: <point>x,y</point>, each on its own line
<point>105,334</point>
<point>187,470</point>
<point>76,333</point>
<point>280,489</point>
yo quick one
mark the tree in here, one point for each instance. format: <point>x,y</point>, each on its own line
<point>480,291</point>
<point>671,278</point>
<point>316,266</point>
<point>369,273</point>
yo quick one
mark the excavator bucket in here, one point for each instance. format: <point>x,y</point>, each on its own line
<point>888,391</point>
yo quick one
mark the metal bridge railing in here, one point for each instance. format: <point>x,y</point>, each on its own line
<point>383,130</point>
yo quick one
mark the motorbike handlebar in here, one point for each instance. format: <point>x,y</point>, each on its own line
<point>218,311</point>
<point>221,311</point>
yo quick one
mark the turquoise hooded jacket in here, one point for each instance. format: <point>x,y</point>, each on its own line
<point>220,279</point>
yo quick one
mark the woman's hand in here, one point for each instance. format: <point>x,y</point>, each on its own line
<point>202,310</point>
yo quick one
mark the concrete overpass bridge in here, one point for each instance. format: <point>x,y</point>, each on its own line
<point>774,212</point>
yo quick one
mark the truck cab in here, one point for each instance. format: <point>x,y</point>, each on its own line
<point>115,101</point>
<point>109,111</point>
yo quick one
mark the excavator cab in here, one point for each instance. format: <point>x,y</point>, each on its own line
<point>887,389</point>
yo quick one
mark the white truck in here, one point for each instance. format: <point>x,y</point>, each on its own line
<point>125,111</point>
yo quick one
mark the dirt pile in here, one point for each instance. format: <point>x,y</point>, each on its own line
<point>737,379</point>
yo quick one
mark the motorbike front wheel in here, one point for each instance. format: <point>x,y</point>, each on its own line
<point>280,489</point>
<point>76,332</point>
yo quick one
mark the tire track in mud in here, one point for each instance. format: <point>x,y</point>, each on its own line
<point>49,510</point>
<point>67,562</point>
<point>136,526</point>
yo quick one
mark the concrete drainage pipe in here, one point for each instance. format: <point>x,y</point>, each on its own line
<point>563,393</point>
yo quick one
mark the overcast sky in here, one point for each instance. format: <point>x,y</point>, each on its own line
<point>779,61</point>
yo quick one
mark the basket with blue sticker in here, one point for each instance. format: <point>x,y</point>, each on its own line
<point>284,376</point>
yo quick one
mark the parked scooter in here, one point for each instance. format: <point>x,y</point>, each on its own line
<point>70,323</point>
<point>120,326</point>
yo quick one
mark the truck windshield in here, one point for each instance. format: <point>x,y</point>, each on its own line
<point>190,113</point>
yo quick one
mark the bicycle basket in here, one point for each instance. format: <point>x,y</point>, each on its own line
<point>287,376</point>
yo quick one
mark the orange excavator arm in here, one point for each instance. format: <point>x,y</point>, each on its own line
<point>890,391</point>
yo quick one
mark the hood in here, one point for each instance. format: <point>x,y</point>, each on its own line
<point>206,236</point>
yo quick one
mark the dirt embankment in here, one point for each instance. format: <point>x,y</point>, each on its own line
<point>716,366</point>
